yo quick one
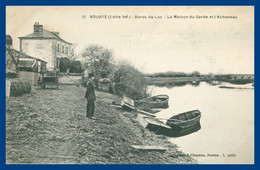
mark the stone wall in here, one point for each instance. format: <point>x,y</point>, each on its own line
<point>31,77</point>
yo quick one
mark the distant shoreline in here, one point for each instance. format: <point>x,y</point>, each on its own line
<point>192,80</point>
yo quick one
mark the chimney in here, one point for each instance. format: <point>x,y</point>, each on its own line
<point>38,30</point>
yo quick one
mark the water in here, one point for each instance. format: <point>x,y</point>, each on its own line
<point>227,122</point>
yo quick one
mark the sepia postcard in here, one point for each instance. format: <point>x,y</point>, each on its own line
<point>130,85</point>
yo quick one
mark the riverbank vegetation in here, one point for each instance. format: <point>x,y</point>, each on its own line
<point>127,79</point>
<point>131,82</point>
<point>181,78</point>
<point>174,74</point>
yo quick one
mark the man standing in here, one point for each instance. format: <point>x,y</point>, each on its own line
<point>90,96</point>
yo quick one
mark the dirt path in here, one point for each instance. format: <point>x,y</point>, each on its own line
<point>50,127</point>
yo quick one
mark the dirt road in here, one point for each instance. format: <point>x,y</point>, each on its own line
<point>49,127</point>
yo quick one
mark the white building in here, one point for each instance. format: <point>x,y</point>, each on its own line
<point>46,45</point>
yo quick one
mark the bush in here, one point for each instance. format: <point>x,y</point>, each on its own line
<point>19,87</point>
<point>129,81</point>
<point>11,73</point>
<point>74,66</point>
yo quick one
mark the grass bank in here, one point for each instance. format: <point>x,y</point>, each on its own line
<point>50,127</point>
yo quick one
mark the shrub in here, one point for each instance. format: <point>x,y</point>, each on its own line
<point>129,81</point>
<point>73,65</point>
<point>19,87</point>
<point>11,73</point>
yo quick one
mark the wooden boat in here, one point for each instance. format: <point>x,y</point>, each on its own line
<point>153,124</point>
<point>127,104</point>
<point>184,120</point>
<point>179,132</point>
<point>159,101</point>
<point>160,128</point>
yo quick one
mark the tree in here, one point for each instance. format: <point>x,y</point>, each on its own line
<point>98,60</point>
<point>71,54</point>
<point>195,74</point>
<point>75,66</point>
<point>64,64</point>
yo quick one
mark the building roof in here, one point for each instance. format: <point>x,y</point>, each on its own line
<point>46,35</point>
<point>26,63</point>
<point>23,55</point>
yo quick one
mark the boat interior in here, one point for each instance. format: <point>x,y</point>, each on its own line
<point>185,116</point>
<point>160,98</point>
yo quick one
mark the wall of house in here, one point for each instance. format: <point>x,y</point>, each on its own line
<point>66,49</point>
<point>61,49</point>
<point>41,49</point>
<point>46,49</point>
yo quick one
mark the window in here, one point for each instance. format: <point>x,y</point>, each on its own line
<point>63,49</point>
<point>58,47</point>
<point>67,50</point>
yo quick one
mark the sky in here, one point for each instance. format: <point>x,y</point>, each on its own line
<point>163,43</point>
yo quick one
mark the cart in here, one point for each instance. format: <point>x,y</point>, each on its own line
<point>50,80</point>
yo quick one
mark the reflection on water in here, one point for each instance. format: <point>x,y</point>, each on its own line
<point>197,83</point>
<point>226,125</point>
<point>177,84</point>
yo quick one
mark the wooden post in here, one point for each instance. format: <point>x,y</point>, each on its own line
<point>8,88</point>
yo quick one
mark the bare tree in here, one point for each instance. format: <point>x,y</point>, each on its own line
<point>98,59</point>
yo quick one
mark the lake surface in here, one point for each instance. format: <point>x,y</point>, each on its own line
<point>227,121</point>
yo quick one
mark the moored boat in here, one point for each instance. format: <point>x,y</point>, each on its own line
<point>179,132</point>
<point>184,120</point>
<point>153,124</point>
<point>127,104</point>
<point>158,101</point>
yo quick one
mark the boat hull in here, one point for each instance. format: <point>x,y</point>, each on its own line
<point>161,128</point>
<point>179,132</point>
<point>127,104</point>
<point>185,120</point>
<point>153,124</point>
<point>159,101</point>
